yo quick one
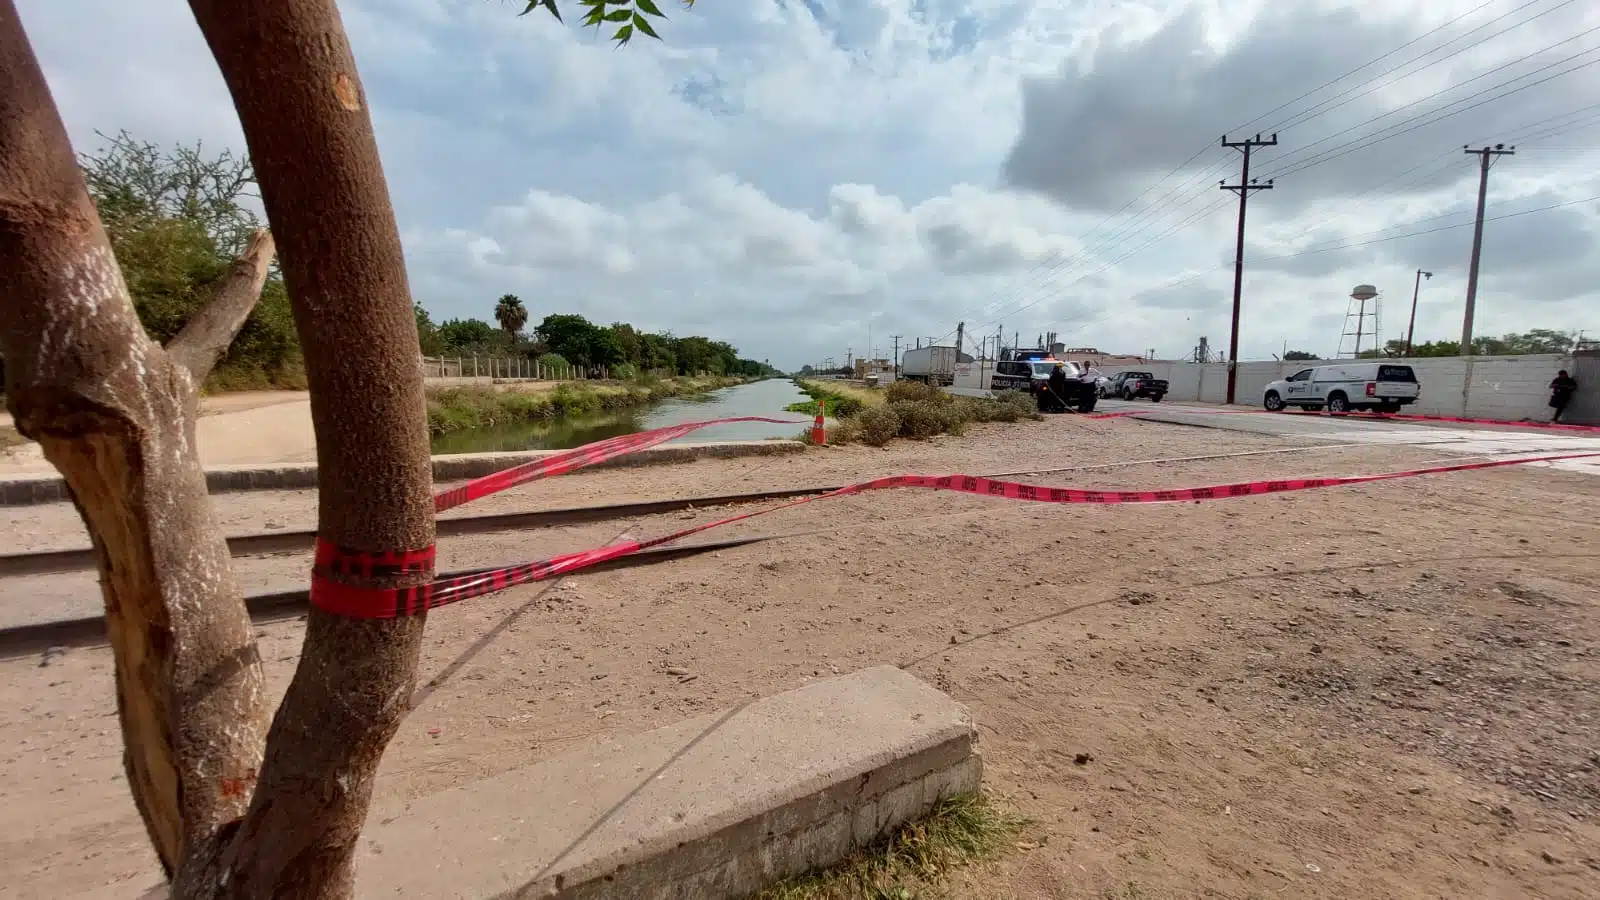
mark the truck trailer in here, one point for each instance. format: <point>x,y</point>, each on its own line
<point>932,365</point>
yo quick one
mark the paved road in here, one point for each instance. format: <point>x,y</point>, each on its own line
<point>1467,440</point>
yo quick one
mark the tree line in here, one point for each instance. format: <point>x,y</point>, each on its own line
<point>619,349</point>
<point>1526,343</point>
<point>178,217</point>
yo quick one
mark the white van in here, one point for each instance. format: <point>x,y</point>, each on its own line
<point>1378,386</point>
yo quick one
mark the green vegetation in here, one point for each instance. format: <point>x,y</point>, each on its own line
<point>913,860</point>
<point>1536,341</point>
<point>457,409</point>
<point>839,399</point>
<point>177,218</point>
<point>176,221</point>
<point>907,409</point>
<point>588,347</point>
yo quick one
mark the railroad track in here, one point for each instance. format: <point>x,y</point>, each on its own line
<point>24,640</point>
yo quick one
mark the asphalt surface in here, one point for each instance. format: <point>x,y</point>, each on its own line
<point>1449,438</point>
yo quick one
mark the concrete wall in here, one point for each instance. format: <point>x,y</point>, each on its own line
<point>1484,387</point>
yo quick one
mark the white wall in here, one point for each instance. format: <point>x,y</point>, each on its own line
<point>1480,387</point>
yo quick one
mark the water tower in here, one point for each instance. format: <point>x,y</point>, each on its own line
<point>1360,296</point>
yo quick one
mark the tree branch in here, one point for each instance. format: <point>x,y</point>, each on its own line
<point>116,416</point>
<point>290,70</point>
<point>205,338</point>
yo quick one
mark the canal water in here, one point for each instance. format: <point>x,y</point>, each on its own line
<point>761,398</point>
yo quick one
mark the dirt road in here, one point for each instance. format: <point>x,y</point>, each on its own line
<point>1386,691</point>
<point>241,429</point>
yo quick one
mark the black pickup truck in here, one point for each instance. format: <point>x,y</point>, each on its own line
<point>1131,385</point>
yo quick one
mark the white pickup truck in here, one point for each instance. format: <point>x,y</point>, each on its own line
<point>1377,386</point>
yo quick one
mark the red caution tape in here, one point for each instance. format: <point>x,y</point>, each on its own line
<point>572,460</point>
<point>333,564</point>
<point>387,603</point>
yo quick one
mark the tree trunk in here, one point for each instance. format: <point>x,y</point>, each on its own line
<point>115,414</point>
<point>293,79</point>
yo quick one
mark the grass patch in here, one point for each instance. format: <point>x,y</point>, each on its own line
<point>229,377</point>
<point>918,411</point>
<point>840,400</point>
<point>463,408</point>
<point>914,859</point>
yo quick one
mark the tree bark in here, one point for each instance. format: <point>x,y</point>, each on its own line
<point>115,414</point>
<point>293,79</point>
<point>206,337</point>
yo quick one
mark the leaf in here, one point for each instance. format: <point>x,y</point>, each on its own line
<point>547,4</point>
<point>623,35</point>
<point>643,24</point>
<point>620,15</point>
<point>649,8</point>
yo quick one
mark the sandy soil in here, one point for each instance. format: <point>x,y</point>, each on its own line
<point>1386,691</point>
<point>245,428</point>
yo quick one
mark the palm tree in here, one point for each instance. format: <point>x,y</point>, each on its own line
<point>511,315</point>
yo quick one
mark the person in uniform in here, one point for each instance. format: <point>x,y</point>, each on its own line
<point>1562,387</point>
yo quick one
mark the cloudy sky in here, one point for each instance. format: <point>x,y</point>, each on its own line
<point>791,175</point>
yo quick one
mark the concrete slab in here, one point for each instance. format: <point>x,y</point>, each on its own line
<point>716,806</point>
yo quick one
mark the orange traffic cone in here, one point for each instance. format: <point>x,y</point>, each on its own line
<point>819,435</point>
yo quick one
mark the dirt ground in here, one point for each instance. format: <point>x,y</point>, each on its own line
<point>1384,691</point>
<point>245,428</point>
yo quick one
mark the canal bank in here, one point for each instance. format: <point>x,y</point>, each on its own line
<point>760,398</point>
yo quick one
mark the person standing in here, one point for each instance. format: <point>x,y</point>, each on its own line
<point>1562,387</point>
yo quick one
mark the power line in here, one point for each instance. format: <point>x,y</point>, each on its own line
<point>1293,120</point>
<point>1368,64</point>
<point>1412,234</point>
<point>1168,202</point>
<point>1372,139</point>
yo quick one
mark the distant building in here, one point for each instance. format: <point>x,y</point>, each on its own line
<point>879,367</point>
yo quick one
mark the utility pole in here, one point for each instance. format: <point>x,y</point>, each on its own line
<point>897,356</point>
<point>1245,186</point>
<point>1485,158</point>
<point>961,330</point>
<point>1411,328</point>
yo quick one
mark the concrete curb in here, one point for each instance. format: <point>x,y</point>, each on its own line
<point>29,490</point>
<point>718,806</point>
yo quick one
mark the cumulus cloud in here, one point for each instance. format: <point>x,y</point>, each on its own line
<point>786,174</point>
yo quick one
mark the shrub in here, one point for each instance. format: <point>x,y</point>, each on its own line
<point>921,419</point>
<point>873,426</point>
<point>554,364</point>
<point>623,372</point>
<point>914,391</point>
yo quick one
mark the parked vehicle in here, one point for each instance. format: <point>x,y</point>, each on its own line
<point>1377,386</point>
<point>1033,376</point>
<point>931,365</point>
<point>1133,385</point>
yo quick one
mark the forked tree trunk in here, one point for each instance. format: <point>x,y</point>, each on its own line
<point>115,413</point>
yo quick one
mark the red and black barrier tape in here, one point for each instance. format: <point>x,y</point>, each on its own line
<point>334,565</point>
<point>572,460</point>
<point>387,603</point>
